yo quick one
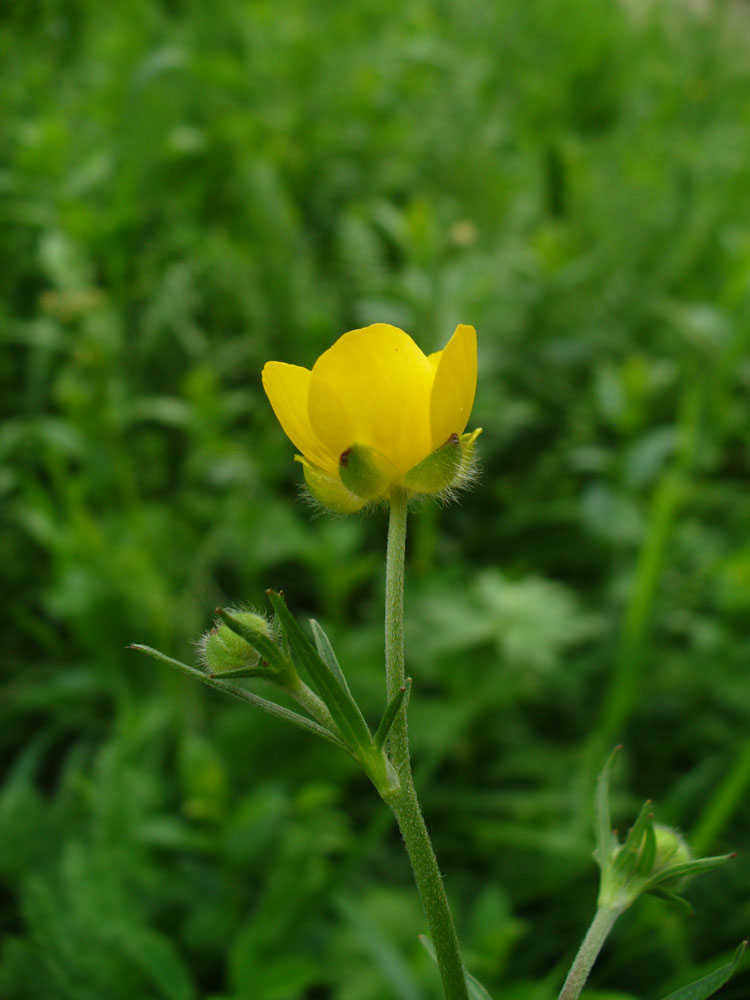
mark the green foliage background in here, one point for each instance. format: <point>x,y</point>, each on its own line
<point>189,189</point>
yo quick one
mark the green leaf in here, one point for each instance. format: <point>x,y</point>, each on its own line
<point>342,706</point>
<point>390,713</point>
<point>709,984</point>
<point>262,703</point>
<point>384,952</point>
<point>475,988</point>
<point>237,673</point>
<point>605,839</point>
<point>158,960</point>
<point>324,647</point>
<point>671,876</point>
<point>674,900</point>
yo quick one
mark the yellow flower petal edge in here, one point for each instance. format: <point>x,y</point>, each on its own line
<point>375,413</point>
<point>454,386</point>
<point>287,389</point>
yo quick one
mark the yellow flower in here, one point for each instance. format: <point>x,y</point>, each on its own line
<point>376,413</point>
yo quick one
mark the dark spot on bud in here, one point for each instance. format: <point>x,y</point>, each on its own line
<point>344,460</point>
<point>453,439</point>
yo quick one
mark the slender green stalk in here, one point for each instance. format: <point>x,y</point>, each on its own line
<point>317,708</point>
<point>591,945</point>
<point>404,801</point>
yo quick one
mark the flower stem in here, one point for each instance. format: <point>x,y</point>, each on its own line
<point>317,708</point>
<point>591,945</point>
<point>403,801</point>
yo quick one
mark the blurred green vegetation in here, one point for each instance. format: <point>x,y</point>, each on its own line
<point>189,189</point>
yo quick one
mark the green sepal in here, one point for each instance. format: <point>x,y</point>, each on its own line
<point>647,856</point>
<point>330,493</point>
<point>626,862</point>
<point>338,699</point>
<point>705,987</point>
<point>673,876</point>
<point>439,470</point>
<point>391,711</point>
<point>365,472</point>
<point>281,667</point>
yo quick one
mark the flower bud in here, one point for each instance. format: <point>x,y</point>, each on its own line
<point>671,849</point>
<point>225,652</point>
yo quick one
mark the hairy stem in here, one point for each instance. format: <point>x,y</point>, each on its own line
<point>404,801</point>
<point>317,708</point>
<point>591,945</point>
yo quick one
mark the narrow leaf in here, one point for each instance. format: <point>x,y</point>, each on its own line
<point>383,950</point>
<point>708,985</point>
<point>241,672</point>
<point>675,874</point>
<point>474,987</point>
<point>342,706</point>
<point>324,647</point>
<point>391,711</point>
<point>605,840</point>
<point>674,900</point>
<point>262,703</point>
<point>157,960</point>
<point>476,990</point>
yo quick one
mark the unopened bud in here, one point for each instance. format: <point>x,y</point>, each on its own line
<point>224,652</point>
<point>671,849</point>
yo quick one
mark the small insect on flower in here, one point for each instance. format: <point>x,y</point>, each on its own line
<point>376,413</point>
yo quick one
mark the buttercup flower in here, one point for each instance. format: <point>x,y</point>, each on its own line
<point>376,413</point>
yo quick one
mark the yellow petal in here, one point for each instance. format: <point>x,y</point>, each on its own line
<point>287,388</point>
<point>373,387</point>
<point>454,386</point>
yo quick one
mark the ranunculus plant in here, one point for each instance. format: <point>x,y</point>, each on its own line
<point>377,422</point>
